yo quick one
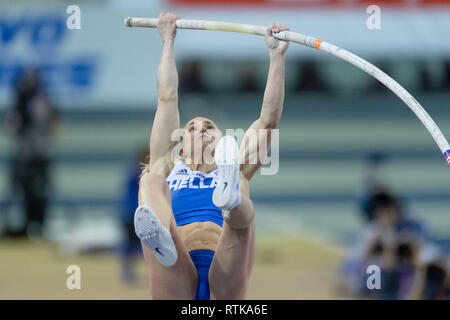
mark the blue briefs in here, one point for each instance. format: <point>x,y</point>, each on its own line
<point>202,261</point>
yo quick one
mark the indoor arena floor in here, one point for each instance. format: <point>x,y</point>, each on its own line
<point>285,268</point>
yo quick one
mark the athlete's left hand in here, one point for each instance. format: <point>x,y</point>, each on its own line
<point>275,45</point>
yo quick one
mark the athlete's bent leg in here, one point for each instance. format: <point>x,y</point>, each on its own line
<point>178,281</point>
<point>233,259</point>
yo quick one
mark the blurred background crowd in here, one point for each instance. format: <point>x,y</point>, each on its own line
<point>360,182</point>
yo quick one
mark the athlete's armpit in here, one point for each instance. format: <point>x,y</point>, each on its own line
<point>162,166</point>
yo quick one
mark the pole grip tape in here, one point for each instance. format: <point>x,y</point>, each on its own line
<point>447,156</point>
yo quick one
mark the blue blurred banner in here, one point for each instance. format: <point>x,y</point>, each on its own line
<point>96,65</point>
<point>38,39</point>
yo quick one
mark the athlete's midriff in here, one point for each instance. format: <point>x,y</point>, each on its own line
<point>202,235</point>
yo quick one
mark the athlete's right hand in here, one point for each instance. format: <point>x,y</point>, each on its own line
<point>167,26</point>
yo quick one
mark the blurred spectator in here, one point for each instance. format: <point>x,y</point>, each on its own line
<point>390,240</point>
<point>32,121</point>
<point>411,265</point>
<point>309,77</point>
<point>433,278</point>
<point>371,183</point>
<point>397,255</point>
<point>191,78</point>
<point>130,246</point>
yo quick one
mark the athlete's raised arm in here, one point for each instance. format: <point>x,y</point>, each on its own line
<point>272,105</point>
<point>167,117</point>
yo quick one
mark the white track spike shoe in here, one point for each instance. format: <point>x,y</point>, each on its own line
<point>226,195</point>
<point>155,236</point>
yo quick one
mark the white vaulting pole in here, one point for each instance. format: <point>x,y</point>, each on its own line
<point>390,83</point>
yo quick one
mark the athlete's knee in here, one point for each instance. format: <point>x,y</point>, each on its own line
<point>243,216</point>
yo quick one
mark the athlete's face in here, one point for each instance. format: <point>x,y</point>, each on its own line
<point>200,138</point>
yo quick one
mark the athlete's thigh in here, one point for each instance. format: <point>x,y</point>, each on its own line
<point>229,273</point>
<point>233,259</point>
<point>175,282</point>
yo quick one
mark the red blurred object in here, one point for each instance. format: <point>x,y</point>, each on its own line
<point>312,3</point>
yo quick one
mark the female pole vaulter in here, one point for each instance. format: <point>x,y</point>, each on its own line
<point>195,218</point>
